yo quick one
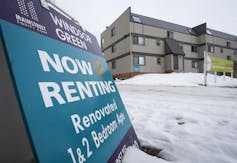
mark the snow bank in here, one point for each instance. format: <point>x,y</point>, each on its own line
<point>180,79</point>
<point>134,155</point>
<point>189,124</point>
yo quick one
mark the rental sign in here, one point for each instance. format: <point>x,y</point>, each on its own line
<point>217,64</point>
<point>71,106</point>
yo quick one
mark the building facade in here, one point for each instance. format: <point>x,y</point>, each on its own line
<point>135,44</point>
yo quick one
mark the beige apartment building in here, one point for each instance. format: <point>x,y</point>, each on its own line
<point>135,44</point>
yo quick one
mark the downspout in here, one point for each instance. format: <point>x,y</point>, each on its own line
<point>130,42</point>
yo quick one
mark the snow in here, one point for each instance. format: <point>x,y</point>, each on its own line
<point>186,121</point>
<point>181,79</point>
<point>134,155</point>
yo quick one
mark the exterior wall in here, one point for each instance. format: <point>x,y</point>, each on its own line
<point>122,46</point>
<point>121,26</point>
<point>201,66</point>
<point>188,66</point>
<point>226,52</point>
<point>221,43</point>
<point>188,51</point>
<point>201,50</point>
<point>151,65</point>
<point>202,39</point>
<point>162,33</point>
<point>122,65</point>
<point>186,38</point>
<point>149,47</point>
<point>148,30</point>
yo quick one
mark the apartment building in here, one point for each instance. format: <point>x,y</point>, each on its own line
<point>135,44</point>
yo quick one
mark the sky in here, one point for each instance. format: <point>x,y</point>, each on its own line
<point>95,15</point>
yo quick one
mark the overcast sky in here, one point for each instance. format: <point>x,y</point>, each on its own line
<point>95,15</point>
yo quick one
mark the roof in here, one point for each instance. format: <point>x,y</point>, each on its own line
<point>173,47</point>
<point>179,28</point>
<point>162,24</point>
<point>223,35</point>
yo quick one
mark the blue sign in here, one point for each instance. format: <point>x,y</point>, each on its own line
<point>70,103</point>
<point>136,68</point>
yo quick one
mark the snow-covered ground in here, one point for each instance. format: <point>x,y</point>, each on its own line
<point>188,122</point>
<point>181,79</point>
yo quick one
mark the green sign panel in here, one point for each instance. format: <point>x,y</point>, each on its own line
<point>218,64</point>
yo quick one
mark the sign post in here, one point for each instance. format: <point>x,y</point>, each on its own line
<point>70,105</point>
<point>215,73</point>
<point>205,67</point>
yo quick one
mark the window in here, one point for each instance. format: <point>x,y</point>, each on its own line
<point>113,48</point>
<point>136,19</point>
<point>113,64</point>
<point>158,61</point>
<point>190,30</point>
<point>176,62</point>
<point>221,50</point>
<point>141,40</point>
<point>138,60</point>
<point>211,48</point>
<point>113,32</point>
<point>194,64</point>
<point>158,42</point>
<point>194,48</point>
<point>209,32</point>
<point>228,57</point>
<point>138,40</point>
<point>235,52</point>
<point>228,44</point>
<point>141,60</point>
<point>170,34</point>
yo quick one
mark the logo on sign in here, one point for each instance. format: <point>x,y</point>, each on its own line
<point>28,16</point>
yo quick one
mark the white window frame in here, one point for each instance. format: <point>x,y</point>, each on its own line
<point>211,49</point>
<point>158,60</point>
<point>170,34</point>
<point>141,60</point>
<point>139,40</point>
<point>136,19</point>
<point>194,48</point>
<point>194,64</point>
<point>158,42</point>
<point>113,32</point>
<point>113,65</point>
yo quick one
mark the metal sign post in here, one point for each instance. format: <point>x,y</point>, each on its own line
<point>205,68</point>
<point>215,73</point>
